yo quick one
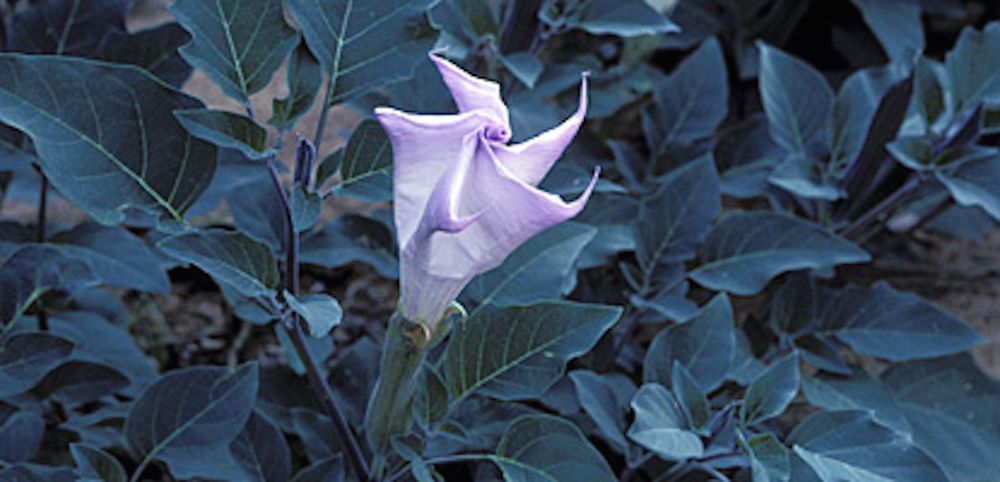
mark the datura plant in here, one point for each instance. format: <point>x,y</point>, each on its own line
<point>485,240</point>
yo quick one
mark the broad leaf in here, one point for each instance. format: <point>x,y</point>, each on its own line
<point>660,425</point>
<point>704,345</point>
<point>689,104</point>
<point>364,45</point>
<point>230,257</point>
<point>951,406</point>
<point>605,398</point>
<point>848,446</point>
<point>536,271</point>
<point>674,220</point>
<point>857,392</point>
<point>20,436</point>
<point>154,49</point>
<point>326,470</point>
<point>94,463</point>
<point>66,27</point>
<point>116,256</point>
<point>771,392</point>
<point>78,382</point>
<point>973,66</point>
<point>974,183</point>
<point>32,271</point>
<point>226,129</point>
<point>321,312</point>
<point>691,398</point>
<point>567,455</point>
<point>26,358</point>
<point>746,249</point>
<point>897,25</point>
<point>366,164</point>
<point>625,18</point>
<point>517,353</point>
<point>238,43</point>
<point>105,135</point>
<point>261,451</point>
<point>352,238</point>
<point>768,459</point>
<point>188,418</point>
<point>304,76</point>
<point>796,98</point>
<point>306,208</point>
<point>895,325</point>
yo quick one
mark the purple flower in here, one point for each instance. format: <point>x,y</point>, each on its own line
<point>464,198</point>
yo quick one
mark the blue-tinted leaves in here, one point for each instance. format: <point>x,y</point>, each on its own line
<point>188,418</point>
<point>78,382</point>
<point>691,398</point>
<point>660,425</point>
<point>116,256</point>
<point>520,458</point>
<point>704,345</point>
<point>689,104</point>
<point>154,49</point>
<point>974,183</point>
<point>366,164</point>
<point>20,436</point>
<point>973,66</point>
<point>66,27</point>
<point>859,391</point>
<point>230,257</point>
<point>516,353</point>
<point>352,238</point>
<point>105,135</point>
<point>364,45</point>
<point>327,470</point>
<point>93,463</point>
<point>261,451</point>
<point>895,325</point>
<point>768,459</point>
<point>771,392</point>
<point>605,399</point>
<point>796,98</point>
<point>850,446</point>
<point>625,18</point>
<point>320,312</point>
<point>304,76</point>
<point>897,25</point>
<point>535,271</point>
<point>32,271</point>
<point>746,249</point>
<point>226,129</point>
<point>238,43</point>
<point>26,358</point>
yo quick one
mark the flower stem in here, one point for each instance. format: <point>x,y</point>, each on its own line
<point>293,327</point>
<point>43,196</point>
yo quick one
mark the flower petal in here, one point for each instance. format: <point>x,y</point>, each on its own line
<point>531,160</point>
<point>423,148</point>
<point>472,93</point>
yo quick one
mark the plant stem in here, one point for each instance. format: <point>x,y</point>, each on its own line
<point>323,114</point>
<point>293,327</point>
<point>630,471</point>
<point>899,197</point>
<point>43,197</point>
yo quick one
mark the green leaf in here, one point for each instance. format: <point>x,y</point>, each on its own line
<point>928,92</point>
<point>34,270</point>
<point>26,358</point>
<point>973,66</point>
<point>704,345</point>
<point>605,398</point>
<point>352,238</point>
<point>746,249</point>
<point>691,398</point>
<point>857,392</point>
<point>848,446</point>
<point>660,426</point>
<point>974,183</point>
<point>116,256</point>
<point>153,49</point>
<point>321,312</point>
<point>306,208</point>
<point>430,403</point>
<point>327,470</point>
<point>517,353</point>
<point>793,305</point>
<point>895,325</point>
<point>804,176</point>
<point>94,463</point>
<point>75,383</point>
<point>535,271</point>
<point>543,448</point>
<point>229,257</point>
<point>20,437</point>
<point>105,135</point>
<point>226,129</point>
<point>951,406</point>
<point>303,78</point>
<point>188,418</point>
<point>770,393</point>
<point>65,27</point>
<point>897,25</point>
<point>261,451</point>
<point>674,220</point>
<point>366,164</point>
<point>768,459</point>
<point>364,45</point>
<point>524,65</point>
<point>238,43</point>
<point>624,18</point>
<point>689,104</point>
<point>796,98</point>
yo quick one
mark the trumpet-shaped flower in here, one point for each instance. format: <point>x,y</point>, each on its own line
<point>464,197</point>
